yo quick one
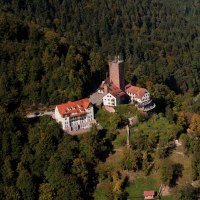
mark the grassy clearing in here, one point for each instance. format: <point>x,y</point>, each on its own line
<point>120,140</point>
<point>178,157</point>
<point>140,184</point>
<point>134,188</point>
<point>114,160</point>
<point>100,192</point>
<point>167,198</point>
<point>99,195</point>
<point>137,181</point>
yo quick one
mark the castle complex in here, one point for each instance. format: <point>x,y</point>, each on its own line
<point>113,91</point>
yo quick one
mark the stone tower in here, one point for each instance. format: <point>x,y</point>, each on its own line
<point>116,73</point>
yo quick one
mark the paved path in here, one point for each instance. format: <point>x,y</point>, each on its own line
<point>39,114</point>
<point>117,150</point>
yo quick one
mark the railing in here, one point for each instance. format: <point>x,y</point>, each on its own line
<point>149,108</point>
<point>145,103</point>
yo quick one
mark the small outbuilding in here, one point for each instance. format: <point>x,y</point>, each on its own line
<point>149,194</point>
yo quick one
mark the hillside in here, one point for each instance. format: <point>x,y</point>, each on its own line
<point>52,50</point>
<point>55,51</point>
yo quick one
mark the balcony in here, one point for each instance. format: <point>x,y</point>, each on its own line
<point>150,107</point>
<point>146,106</point>
<point>146,102</point>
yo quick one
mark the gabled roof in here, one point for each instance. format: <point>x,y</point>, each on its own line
<point>149,193</point>
<point>108,94</point>
<point>75,108</point>
<point>112,88</point>
<point>139,92</point>
<point>115,91</point>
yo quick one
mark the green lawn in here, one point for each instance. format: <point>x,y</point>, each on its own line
<point>139,185</point>
<point>167,198</point>
<point>176,157</point>
<point>100,192</point>
<point>134,189</point>
<point>120,140</point>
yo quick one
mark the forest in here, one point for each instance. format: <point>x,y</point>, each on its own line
<point>52,51</point>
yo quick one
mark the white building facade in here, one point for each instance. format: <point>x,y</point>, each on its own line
<point>144,99</point>
<point>114,90</point>
<point>75,115</point>
<point>110,100</point>
<point>140,96</point>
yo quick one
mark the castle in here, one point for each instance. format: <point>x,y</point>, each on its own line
<point>113,91</point>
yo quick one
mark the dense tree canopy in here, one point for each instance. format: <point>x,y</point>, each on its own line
<point>54,51</point>
<point>41,163</point>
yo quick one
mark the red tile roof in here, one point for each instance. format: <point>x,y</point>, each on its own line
<point>149,193</point>
<point>75,108</point>
<point>112,88</point>
<point>139,92</point>
<point>115,91</point>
